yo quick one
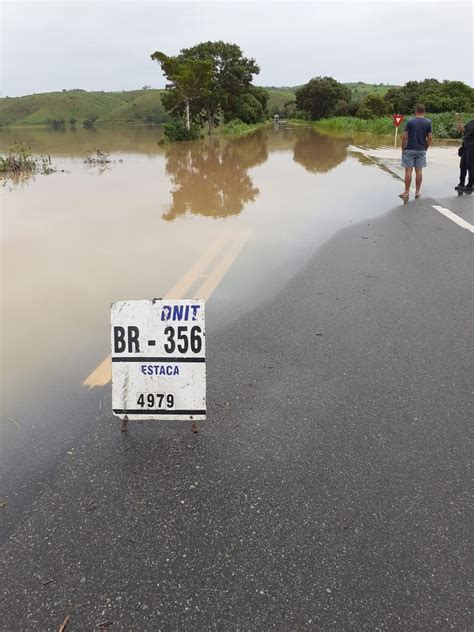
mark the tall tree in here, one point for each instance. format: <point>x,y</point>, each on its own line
<point>320,95</point>
<point>232,76</point>
<point>189,83</point>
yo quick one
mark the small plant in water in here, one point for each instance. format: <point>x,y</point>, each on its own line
<point>18,159</point>
<point>19,164</point>
<point>99,159</point>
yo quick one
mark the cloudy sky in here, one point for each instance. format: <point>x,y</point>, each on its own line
<point>106,45</point>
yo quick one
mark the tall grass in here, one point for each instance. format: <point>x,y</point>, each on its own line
<point>444,125</point>
<point>236,126</point>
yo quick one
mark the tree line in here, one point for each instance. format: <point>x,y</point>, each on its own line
<point>324,97</point>
<point>212,82</point>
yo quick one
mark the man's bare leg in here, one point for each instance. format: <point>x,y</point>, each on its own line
<point>408,175</point>
<point>418,179</point>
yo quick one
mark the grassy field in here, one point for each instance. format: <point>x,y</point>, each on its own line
<point>444,125</point>
<point>133,106</point>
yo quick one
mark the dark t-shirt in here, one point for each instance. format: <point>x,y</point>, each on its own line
<point>418,129</point>
<point>468,137</point>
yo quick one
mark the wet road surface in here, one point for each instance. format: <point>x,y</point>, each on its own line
<point>328,489</point>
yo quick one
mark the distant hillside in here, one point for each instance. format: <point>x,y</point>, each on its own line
<point>133,106</point>
<point>360,90</point>
<point>277,97</point>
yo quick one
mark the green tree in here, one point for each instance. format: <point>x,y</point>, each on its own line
<point>372,106</point>
<point>341,108</point>
<point>189,83</point>
<point>230,85</point>
<point>318,98</point>
<point>289,108</point>
<point>437,96</point>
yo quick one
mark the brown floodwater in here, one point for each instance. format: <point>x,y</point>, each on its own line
<point>227,219</point>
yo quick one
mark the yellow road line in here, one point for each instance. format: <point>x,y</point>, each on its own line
<point>201,265</point>
<point>213,280</point>
<point>102,374</point>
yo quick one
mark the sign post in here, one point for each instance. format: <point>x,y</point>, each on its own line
<point>397,119</point>
<point>158,360</point>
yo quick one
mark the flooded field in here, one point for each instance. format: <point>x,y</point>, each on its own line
<point>226,219</point>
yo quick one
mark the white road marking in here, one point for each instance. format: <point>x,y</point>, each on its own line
<point>453,217</point>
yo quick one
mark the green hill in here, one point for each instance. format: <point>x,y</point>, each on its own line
<point>277,97</point>
<point>360,90</point>
<point>142,106</point>
<point>133,106</point>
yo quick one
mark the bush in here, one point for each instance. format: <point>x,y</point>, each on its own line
<point>89,122</point>
<point>56,123</point>
<point>19,161</point>
<point>18,158</point>
<point>177,131</point>
<point>289,108</point>
<point>249,109</point>
<point>301,115</point>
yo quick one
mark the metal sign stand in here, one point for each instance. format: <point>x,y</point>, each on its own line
<point>124,427</point>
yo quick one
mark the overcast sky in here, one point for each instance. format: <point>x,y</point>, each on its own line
<point>49,46</point>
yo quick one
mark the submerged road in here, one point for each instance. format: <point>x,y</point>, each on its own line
<point>328,489</point>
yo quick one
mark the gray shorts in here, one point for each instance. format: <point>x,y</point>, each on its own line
<point>414,158</point>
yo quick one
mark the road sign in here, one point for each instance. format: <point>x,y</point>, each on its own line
<point>397,119</point>
<point>158,359</point>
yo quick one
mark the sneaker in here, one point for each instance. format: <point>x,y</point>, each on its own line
<point>468,187</point>
<point>459,186</point>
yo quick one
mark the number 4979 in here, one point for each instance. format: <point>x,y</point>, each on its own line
<point>155,400</point>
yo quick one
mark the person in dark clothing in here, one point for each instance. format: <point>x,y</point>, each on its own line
<point>416,139</point>
<point>466,152</point>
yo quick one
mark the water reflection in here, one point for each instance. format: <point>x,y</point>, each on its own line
<point>16,179</point>
<point>78,142</point>
<point>212,179</point>
<point>318,153</point>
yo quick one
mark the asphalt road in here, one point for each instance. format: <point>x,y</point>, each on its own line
<point>327,491</point>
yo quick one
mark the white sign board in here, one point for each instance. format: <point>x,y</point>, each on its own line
<point>158,359</point>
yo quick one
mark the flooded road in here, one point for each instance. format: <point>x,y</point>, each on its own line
<point>327,488</point>
<point>227,219</point>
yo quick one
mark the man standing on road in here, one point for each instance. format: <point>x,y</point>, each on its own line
<point>466,152</point>
<point>415,141</point>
